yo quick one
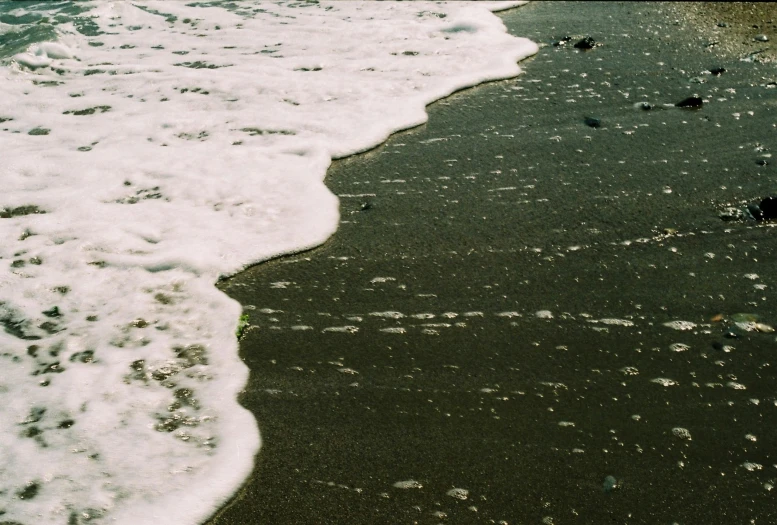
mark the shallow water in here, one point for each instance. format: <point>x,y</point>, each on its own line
<point>536,309</point>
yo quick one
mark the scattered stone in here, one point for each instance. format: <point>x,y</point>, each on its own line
<point>592,122</point>
<point>761,38</point>
<point>586,43</point>
<point>562,41</point>
<point>768,208</point>
<point>755,212</point>
<point>722,24</point>
<point>717,71</point>
<point>744,318</point>
<point>645,106</point>
<point>610,484</point>
<point>690,103</point>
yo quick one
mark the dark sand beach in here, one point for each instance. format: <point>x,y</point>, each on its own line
<point>484,340</point>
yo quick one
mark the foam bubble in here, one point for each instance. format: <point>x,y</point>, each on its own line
<point>680,325</point>
<point>663,381</point>
<point>409,484</point>
<point>458,493</point>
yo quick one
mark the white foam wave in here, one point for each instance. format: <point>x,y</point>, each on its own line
<point>181,144</point>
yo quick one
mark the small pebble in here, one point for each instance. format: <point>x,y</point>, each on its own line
<point>761,38</point>
<point>690,103</point>
<point>592,122</point>
<point>586,43</point>
<point>717,71</point>
<point>610,484</point>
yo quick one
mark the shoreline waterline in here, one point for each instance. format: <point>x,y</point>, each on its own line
<point>491,334</point>
<point>115,334</point>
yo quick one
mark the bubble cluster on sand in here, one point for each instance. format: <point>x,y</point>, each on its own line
<point>458,493</point>
<point>680,325</point>
<point>681,433</point>
<point>409,484</point>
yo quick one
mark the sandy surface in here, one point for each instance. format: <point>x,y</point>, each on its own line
<point>732,29</point>
<point>484,340</point>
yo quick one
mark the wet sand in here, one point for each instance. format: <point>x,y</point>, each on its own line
<point>490,316</point>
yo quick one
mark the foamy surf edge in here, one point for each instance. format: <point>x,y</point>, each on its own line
<point>125,228</point>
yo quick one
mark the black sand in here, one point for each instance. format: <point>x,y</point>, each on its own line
<point>507,201</point>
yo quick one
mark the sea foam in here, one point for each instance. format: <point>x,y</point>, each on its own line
<point>151,149</point>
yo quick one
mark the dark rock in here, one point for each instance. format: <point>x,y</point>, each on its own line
<point>592,122</point>
<point>722,24</point>
<point>645,106</point>
<point>761,162</point>
<point>769,208</point>
<point>690,103</point>
<point>717,71</point>
<point>755,211</point>
<point>586,43</point>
